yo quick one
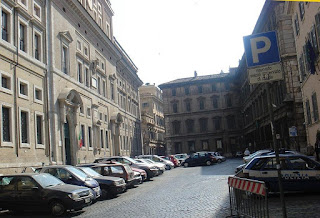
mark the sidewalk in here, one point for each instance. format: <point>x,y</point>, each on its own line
<point>297,205</point>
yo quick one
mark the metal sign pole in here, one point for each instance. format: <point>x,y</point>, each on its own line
<point>275,144</point>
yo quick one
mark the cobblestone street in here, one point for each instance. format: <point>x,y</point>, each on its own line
<point>188,192</point>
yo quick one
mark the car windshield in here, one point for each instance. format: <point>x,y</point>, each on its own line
<point>81,175</point>
<point>47,180</point>
<point>90,172</point>
<point>149,161</point>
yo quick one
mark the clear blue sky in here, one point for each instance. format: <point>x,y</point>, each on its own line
<point>170,39</point>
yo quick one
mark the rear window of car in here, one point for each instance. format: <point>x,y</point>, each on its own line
<point>116,169</point>
<point>6,184</point>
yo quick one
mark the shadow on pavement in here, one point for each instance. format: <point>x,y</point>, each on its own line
<point>30,214</point>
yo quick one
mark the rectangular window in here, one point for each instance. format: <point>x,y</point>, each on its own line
<point>317,18</point>
<point>203,125</point>
<point>112,91</point>
<point>201,105</point>
<point>315,107</point>
<point>200,89</point>
<point>37,46</point>
<point>302,68</point>
<point>6,124</point>
<point>89,137</point>
<point>87,76</point>
<point>186,90</point>
<point>175,108</point>
<point>188,106</point>
<point>108,30</point>
<point>83,136</point>
<point>107,144</point>
<point>79,45</point>
<point>36,10</point>
<point>173,92</point>
<point>88,112</point>
<point>24,127</point>
<point>214,87</point>
<point>301,9</point>
<point>38,94</point>
<point>217,123</point>
<point>101,138</point>
<point>308,112</point>
<point>39,127</point>
<point>65,59</point>
<point>104,88</point>
<point>22,40</point>
<point>296,25</point>
<point>23,89</point>
<point>99,85</point>
<point>5,81</point>
<point>80,73</point>
<point>5,25</point>
<point>215,102</point>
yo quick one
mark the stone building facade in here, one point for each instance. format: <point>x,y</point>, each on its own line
<point>306,22</point>
<point>201,113</point>
<point>23,71</point>
<point>73,91</point>
<point>286,94</point>
<point>152,120</point>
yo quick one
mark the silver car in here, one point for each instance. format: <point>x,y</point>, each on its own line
<point>161,166</point>
<point>156,158</point>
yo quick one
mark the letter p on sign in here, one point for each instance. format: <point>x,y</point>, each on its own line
<point>261,49</point>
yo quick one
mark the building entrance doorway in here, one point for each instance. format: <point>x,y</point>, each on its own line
<point>67,143</point>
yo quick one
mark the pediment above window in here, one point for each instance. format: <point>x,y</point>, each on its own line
<point>66,36</point>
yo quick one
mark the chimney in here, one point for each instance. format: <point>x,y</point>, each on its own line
<point>195,73</point>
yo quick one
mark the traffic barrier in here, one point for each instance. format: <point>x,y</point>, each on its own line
<point>248,198</point>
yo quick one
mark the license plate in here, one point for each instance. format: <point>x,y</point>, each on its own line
<point>86,200</point>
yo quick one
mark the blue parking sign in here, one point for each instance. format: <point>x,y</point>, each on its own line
<point>261,49</point>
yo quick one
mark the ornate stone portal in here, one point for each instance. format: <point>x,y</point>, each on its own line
<point>69,102</point>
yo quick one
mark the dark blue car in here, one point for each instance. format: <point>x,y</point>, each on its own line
<point>72,175</point>
<point>299,172</point>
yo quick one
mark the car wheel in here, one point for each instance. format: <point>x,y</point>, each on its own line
<point>219,161</point>
<point>208,162</point>
<point>57,208</point>
<point>104,194</point>
<point>185,164</point>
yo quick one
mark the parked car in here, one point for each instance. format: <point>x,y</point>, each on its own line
<point>150,170</point>
<point>110,185</point>
<point>238,154</point>
<point>113,169</point>
<point>299,172</point>
<point>241,166</point>
<point>181,157</point>
<point>160,166</point>
<point>156,158</point>
<point>173,159</point>
<point>41,192</point>
<point>72,175</point>
<point>247,159</point>
<point>142,173</point>
<point>218,156</point>
<point>199,158</point>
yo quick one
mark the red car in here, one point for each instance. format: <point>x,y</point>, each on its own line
<point>173,159</point>
<point>142,172</point>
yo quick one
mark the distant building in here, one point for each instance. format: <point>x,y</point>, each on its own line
<point>152,120</point>
<point>202,114</point>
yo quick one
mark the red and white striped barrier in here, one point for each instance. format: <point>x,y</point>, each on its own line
<point>253,186</point>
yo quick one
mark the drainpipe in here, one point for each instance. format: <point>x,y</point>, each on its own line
<point>16,115</point>
<point>49,83</point>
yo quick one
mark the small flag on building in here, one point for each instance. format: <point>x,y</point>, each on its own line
<point>80,140</point>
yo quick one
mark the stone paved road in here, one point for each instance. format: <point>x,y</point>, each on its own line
<point>198,192</point>
<point>181,192</point>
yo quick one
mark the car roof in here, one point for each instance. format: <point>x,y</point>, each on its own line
<point>280,155</point>
<point>56,166</point>
<point>19,174</point>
